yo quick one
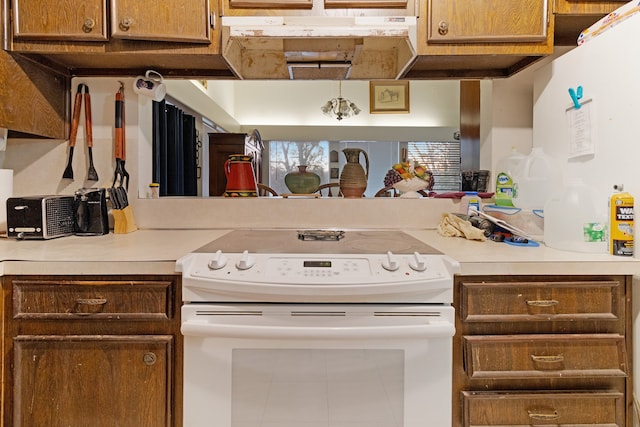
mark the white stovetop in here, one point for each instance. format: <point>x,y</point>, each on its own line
<point>155,252</point>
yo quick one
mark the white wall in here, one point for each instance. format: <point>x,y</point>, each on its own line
<point>507,114</point>
<point>291,109</point>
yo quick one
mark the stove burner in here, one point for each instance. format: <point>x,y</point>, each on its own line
<point>326,235</point>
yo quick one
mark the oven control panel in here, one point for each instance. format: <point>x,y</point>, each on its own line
<point>316,269</point>
<point>349,278</point>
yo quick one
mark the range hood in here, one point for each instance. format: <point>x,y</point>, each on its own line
<point>319,47</point>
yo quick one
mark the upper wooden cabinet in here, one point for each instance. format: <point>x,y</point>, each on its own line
<point>573,16</point>
<point>268,4</point>
<point>64,20</point>
<point>480,38</point>
<point>122,37</point>
<point>327,8</point>
<point>309,4</point>
<point>35,100</point>
<point>487,21</point>
<point>181,21</point>
<point>174,20</point>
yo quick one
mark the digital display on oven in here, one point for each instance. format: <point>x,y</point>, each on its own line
<point>317,264</point>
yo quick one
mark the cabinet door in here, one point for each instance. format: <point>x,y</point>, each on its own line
<point>172,20</point>
<point>97,381</point>
<point>60,20</point>
<point>34,100</point>
<point>487,21</point>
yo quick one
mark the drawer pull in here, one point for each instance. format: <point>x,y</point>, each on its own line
<point>89,306</point>
<point>547,359</point>
<point>542,303</point>
<point>543,417</point>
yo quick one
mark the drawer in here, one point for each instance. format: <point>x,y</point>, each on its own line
<point>544,356</point>
<point>73,299</point>
<point>495,301</point>
<point>543,408</point>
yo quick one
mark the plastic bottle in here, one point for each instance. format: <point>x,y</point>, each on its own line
<point>470,202</point>
<point>621,222</point>
<point>574,220</point>
<point>538,178</point>
<point>505,169</point>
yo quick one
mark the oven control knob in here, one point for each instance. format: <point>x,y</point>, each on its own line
<point>390,263</point>
<point>417,262</point>
<point>218,262</point>
<point>246,261</point>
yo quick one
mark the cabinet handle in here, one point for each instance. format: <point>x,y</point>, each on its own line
<point>149,358</point>
<point>88,25</point>
<point>91,301</point>
<point>542,303</point>
<point>92,306</point>
<point>443,28</point>
<point>547,359</point>
<point>545,417</point>
<point>125,24</point>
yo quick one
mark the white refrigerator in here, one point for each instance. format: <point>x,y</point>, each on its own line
<point>600,142</point>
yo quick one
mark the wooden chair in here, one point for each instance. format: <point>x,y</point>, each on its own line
<point>390,191</point>
<point>266,191</point>
<point>387,192</point>
<point>328,188</point>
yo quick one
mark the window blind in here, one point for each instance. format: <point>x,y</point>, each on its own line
<point>442,158</point>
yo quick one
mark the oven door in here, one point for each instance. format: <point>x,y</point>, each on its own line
<point>283,365</point>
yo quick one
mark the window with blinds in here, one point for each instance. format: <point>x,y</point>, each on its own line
<point>442,158</point>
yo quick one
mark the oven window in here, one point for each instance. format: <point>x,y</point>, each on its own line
<point>317,388</point>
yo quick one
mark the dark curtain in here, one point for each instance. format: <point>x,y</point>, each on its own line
<point>174,151</point>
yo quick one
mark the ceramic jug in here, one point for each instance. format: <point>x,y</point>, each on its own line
<point>241,178</point>
<point>353,178</point>
<point>302,181</point>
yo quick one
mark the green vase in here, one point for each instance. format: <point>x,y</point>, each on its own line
<point>302,181</point>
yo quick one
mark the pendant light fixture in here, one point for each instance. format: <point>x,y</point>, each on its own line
<point>340,107</point>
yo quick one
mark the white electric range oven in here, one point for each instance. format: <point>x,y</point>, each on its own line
<point>317,329</point>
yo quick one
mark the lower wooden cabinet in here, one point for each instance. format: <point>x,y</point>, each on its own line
<point>98,381</point>
<point>604,409</point>
<point>92,351</point>
<point>542,350</point>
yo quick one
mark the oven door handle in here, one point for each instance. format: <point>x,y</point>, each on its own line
<point>428,330</point>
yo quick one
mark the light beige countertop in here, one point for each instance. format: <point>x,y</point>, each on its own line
<point>155,252</point>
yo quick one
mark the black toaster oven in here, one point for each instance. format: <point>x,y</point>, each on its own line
<point>40,217</point>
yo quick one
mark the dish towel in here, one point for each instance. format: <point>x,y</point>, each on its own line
<point>452,225</point>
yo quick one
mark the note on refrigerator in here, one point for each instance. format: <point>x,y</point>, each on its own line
<point>582,135</point>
